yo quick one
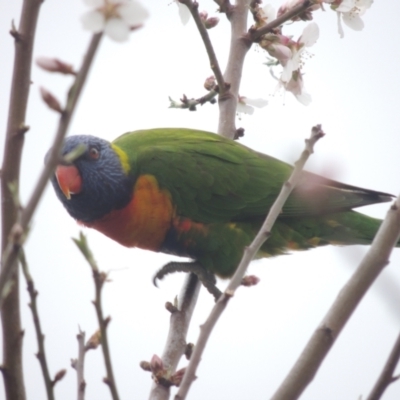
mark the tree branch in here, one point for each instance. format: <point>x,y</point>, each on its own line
<point>248,255</point>
<point>348,298</point>
<point>99,280</point>
<point>386,377</point>
<point>41,354</point>
<point>175,345</point>
<point>255,34</point>
<point>16,128</point>
<point>79,365</point>
<point>214,65</point>
<point>239,47</point>
<point>18,231</point>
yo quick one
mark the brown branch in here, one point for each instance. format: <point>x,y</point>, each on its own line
<point>224,7</point>
<point>41,354</point>
<point>248,255</point>
<point>214,65</point>
<point>191,104</point>
<point>239,47</point>
<point>79,365</point>
<point>348,298</point>
<point>176,345</point>
<point>18,230</point>
<point>16,128</point>
<point>99,280</point>
<point>255,34</point>
<point>387,375</point>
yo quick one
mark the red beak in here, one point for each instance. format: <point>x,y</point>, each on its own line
<point>69,180</point>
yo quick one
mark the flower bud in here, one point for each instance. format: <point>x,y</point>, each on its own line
<point>50,100</point>
<point>211,22</point>
<point>55,65</point>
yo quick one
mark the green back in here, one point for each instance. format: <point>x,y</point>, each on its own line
<point>214,179</point>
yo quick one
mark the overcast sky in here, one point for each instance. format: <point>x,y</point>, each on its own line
<point>355,87</point>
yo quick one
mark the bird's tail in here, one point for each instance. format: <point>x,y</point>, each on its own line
<point>344,228</point>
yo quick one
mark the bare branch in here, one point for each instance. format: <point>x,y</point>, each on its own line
<point>194,10</point>
<point>348,298</point>
<point>176,345</point>
<point>191,104</point>
<point>255,34</point>
<point>387,375</point>
<point>79,365</point>
<point>16,128</point>
<point>17,236</point>
<point>99,280</point>
<point>248,255</point>
<point>41,354</point>
<point>239,47</point>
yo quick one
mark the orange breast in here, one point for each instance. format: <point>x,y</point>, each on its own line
<point>144,222</point>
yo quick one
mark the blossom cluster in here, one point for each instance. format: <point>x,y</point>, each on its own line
<point>289,52</point>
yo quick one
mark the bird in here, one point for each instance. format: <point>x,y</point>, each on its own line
<point>200,195</point>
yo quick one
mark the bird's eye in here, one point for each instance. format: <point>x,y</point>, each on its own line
<point>94,154</point>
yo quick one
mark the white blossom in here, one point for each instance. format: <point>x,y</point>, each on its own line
<point>246,105</point>
<point>114,17</point>
<point>350,11</point>
<point>184,13</point>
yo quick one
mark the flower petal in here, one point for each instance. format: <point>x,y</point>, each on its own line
<point>117,29</point>
<point>259,103</point>
<point>353,21</point>
<point>93,21</point>
<point>184,13</point>
<point>310,34</point>
<point>94,3</point>
<point>244,108</point>
<point>133,13</point>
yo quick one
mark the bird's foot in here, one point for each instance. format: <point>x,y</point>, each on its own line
<point>207,278</point>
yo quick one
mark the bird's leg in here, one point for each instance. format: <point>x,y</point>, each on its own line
<point>207,278</point>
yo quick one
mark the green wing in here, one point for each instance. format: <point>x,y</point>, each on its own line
<point>214,179</point>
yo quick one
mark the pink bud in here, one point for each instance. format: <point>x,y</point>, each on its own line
<point>177,377</point>
<point>156,364</point>
<point>250,280</point>
<point>203,16</point>
<point>55,65</point>
<point>211,22</point>
<point>209,83</point>
<point>50,100</point>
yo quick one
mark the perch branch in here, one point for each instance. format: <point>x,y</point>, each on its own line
<point>306,366</point>
<point>176,345</point>
<point>249,253</point>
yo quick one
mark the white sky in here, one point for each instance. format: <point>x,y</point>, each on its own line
<point>356,95</point>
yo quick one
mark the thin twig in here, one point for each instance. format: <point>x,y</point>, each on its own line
<point>79,365</point>
<point>175,345</point>
<point>191,104</point>
<point>255,34</point>
<point>99,280</point>
<point>248,255</point>
<point>14,141</point>
<point>348,298</point>
<point>387,375</point>
<point>41,354</point>
<point>214,65</point>
<point>18,231</point>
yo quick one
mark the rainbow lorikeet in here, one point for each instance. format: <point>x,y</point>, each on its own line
<point>199,195</point>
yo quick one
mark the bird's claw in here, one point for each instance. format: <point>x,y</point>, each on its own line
<point>206,278</point>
